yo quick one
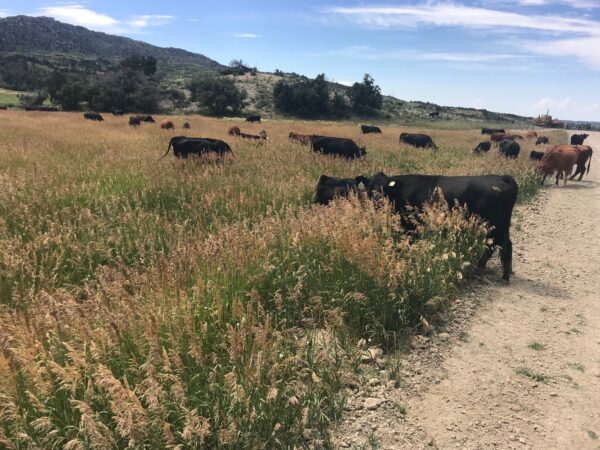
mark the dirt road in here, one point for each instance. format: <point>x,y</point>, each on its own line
<point>518,366</point>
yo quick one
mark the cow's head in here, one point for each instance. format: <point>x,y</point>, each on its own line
<point>362,151</point>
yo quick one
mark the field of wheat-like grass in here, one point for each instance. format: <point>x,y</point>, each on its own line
<point>159,303</point>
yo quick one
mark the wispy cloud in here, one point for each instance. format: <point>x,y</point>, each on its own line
<point>245,35</point>
<point>553,104</point>
<point>451,14</point>
<point>466,57</point>
<point>555,35</point>
<point>80,15</point>
<point>3,12</point>
<point>149,20</point>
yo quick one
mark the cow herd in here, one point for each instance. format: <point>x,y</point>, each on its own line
<point>491,197</point>
<point>559,159</point>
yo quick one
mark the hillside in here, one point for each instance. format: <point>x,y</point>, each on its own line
<point>33,47</point>
<point>46,44</point>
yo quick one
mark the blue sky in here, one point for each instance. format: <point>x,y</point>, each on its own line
<point>521,56</point>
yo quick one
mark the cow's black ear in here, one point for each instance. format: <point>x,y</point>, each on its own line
<point>361,179</point>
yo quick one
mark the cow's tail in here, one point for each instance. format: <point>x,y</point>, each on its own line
<point>589,163</point>
<point>168,149</point>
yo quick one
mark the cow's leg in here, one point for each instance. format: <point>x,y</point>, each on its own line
<point>487,254</point>
<point>558,174</point>
<point>506,258</point>
<point>544,179</point>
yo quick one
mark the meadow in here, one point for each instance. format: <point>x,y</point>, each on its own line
<point>157,303</point>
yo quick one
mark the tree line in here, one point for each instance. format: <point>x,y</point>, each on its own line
<point>132,85</point>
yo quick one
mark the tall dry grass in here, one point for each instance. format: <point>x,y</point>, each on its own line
<point>178,304</point>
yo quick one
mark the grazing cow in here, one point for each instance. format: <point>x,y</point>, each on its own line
<point>303,139</point>
<point>261,135</point>
<point>536,156</point>
<point>365,129</point>
<point>577,139</point>
<point>510,149</point>
<point>342,147</point>
<point>330,188</point>
<point>167,124</point>
<point>3,108</point>
<point>499,137</point>
<point>492,130</point>
<point>93,116</point>
<point>585,154</point>
<point>134,121</point>
<point>234,131</point>
<point>561,159</point>
<point>118,112</point>
<point>492,197</point>
<point>146,118</point>
<point>254,118</point>
<point>542,140</point>
<point>531,134</point>
<point>434,114</point>
<point>417,140</point>
<point>482,147</point>
<point>184,147</point>
<point>186,125</point>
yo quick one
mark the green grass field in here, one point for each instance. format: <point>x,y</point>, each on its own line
<point>156,303</point>
<point>9,98</point>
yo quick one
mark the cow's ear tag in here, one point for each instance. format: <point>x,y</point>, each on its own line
<point>392,183</point>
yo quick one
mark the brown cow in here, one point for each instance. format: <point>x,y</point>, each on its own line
<point>499,137</point>
<point>561,159</point>
<point>531,134</point>
<point>234,131</point>
<point>166,124</point>
<point>303,139</point>
<point>585,153</point>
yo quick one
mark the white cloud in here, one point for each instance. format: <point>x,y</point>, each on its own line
<point>552,104</point>
<point>3,12</point>
<point>533,2</point>
<point>346,83</point>
<point>79,15</point>
<point>574,37</point>
<point>149,20</point>
<point>245,35</point>
<point>466,57</point>
<point>76,14</point>
<point>450,14</point>
<point>585,49</point>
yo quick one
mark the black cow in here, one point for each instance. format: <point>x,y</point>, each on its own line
<point>261,135</point>
<point>510,149</point>
<point>492,197</point>
<point>483,147</point>
<point>330,188</point>
<point>417,140</point>
<point>254,118</point>
<point>342,147</point>
<point>3,108</point>
<point>134,121</point>
<point>577,139</point>
<point>542,140</point>
<point>93,116</point>
<point>434,114</point>
<point>536,156</point>
<point>365,129</point>
<point>492,130</point>
<point>146,118</point>
<point>118,112</point>
<point>185,146</point>
<point>186,125</point>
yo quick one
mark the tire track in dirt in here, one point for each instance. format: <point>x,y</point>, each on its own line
<point>518,366</point>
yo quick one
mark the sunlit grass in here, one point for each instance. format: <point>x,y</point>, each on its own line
<point>155,303</point>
